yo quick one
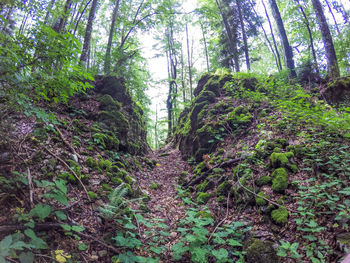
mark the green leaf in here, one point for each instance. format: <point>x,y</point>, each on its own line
<point>5,243</point>
<point>345,191</point>
<point>234,243</point>
<point>61,185</point>
<point>82,247</point>
<point>156,250</point>
<point>27,257</point>
<point>66,227</point>
<point>60,215</point>
<point>78,228</point>
<point>41,211</point>
<point>178,250</point>
<point>220,254</point>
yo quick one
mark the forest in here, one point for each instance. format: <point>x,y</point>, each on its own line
<point>175,131</point>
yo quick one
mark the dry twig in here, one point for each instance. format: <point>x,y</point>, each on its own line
<point>66,143</point>
<point>30,185</point>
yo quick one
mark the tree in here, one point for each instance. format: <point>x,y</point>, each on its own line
<point>246,52</point>
<point>332,63</point>
<point>287,49</point>
<point>107,65</point>
<point>88,31</point>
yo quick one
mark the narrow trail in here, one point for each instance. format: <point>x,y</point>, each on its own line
<point>164,203</point>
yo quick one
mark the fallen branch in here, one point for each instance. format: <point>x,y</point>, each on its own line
<point>66,143</point>
<point>197,180</point>
<point>30,185</point>
<point>75,175</point>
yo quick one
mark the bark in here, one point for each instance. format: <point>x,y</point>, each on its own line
<point>88,32</point>
<point>273,38</point>
<point>266,37</point>
<point>230,36</point>
<point>81,15</point>
<point>332,64</point>
<point>246,51</point>
<point>63,19</point>
<point>287,49</point>
<point>183,76</point>
<point>335,21</point>
<point>49,8</point>
<point>107,66</point>
<point>189,62</point>
<point>205,47</point>
<point>306,20</point>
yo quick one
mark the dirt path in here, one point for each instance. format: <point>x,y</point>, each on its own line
<point>164,203</point>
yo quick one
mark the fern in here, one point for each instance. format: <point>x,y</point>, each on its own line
<point>116,203</point>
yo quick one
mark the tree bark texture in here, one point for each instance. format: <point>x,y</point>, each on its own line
<point>88,32</point>
<point>63,19</point>
<point>246,51</point>
<point>189,62</point>
<point>332,64</point>
<point>273,38</point>
<point>287,49</point>
<point>107,66</point>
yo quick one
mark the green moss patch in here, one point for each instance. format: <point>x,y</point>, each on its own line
<point>261,252</point>
<point>280,159</point>
<point>280,180</point>
<point>203,198</point>
<point>280,216</point>
<point>264,180</point>
<point>223,188</point>
<point>261,201</point>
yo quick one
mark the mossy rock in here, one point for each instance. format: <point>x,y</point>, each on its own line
<point>261,252</point>
<point>299,150</point>
<point>117,180</point>
<point>280,159</point>
<point>338,91</point>
<point>280,216</point>
<point>280,180</point>
<point>205,186</point>
<point>108,103</point>
<point>128,179</point>
<point>122,173</point>
<point>264,180</point>
<point>223,188</point>
<point>91,162</point>
<point>260,201</point>
<point>203,198</point>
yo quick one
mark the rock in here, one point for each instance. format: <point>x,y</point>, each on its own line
<point>343,241</point>
<point>338,91</point>
<point>261,252</point>
<point>5,157</point>
<point>102,253</point>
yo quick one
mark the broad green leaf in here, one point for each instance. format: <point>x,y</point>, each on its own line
<point>41,211</point>
<point>234,243</point>
<point>78,228</point>
<point>27,257</point>
<point>5,243</point>
<point>220,254</point>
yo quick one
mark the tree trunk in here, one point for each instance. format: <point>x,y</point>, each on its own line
<point>63,19</point>
<point>49,8</point>
<point>205,47</point>
<point>246,51</point>
<point>335,21</point>
<point>107,66</point>
<point>183,76</point>
<point>332,64</point>
<point>230,37</point>
<point>310,36</point>
<point>266,37</point>
<point>189,62</point>
<point>273,38</point>
<point>287,49</point>
<point>88,32</point>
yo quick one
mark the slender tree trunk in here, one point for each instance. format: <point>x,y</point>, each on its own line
<point>335,21</point>
<point>246,51</point>
<point>205,48</point>
<point>266,38</point>
<point>230,37</point>
<point>306,20</point>
<point>287,49</point>
<point>81,15</point>
<point>88,32</point>
<point>107,66</point>
<point>49,8</point>
<point>63,19</point>
<point>183,76</point>
<point>332,64</point>
<point>273,38</point>
<point>189,62</point>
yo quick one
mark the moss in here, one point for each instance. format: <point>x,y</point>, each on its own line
<point>199,168</point>
<point>280,216</point>
<point>260,201</point>
<point>204,214</point>
<point>205,186</point>
<point>294,168</point>
<point>280,180</point>
<point>278,160</point>
<point>218,171</point>
<point>122,173</point>
<point>221,200</point>
<point>67,176</point>
<point>105,164</point>
<point>153,185</point>
<point>282,200</point>
<point>299,150</point>
<point>261,252</point>
<point>92,195</point>
<point>223,188</point>
<point>269,209</point>
<point>203,198</point>
<point>128,179</point>
<point>108,103</point>
<point>116,180</point>
<point>264,180</point>
<point>91,162</point>
<point>107,188</point>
